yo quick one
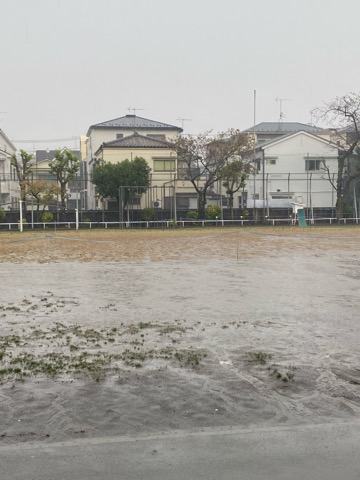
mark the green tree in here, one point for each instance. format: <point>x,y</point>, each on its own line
<point>212,212</point>
<point>23,167</point>
<point>113,180</point>
<point>64,168</point>
<point>235,175</point>
<point>202,158</point>
<point>343,115</point>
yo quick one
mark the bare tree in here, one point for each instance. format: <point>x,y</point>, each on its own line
<point>42,191</point>
<point>343,115</point>
<point>235,175</point>
<point>202,158</point>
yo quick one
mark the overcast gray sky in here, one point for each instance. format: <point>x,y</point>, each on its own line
<point>67,64</point>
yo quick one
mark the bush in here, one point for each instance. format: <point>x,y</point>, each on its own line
<point>212,212</point>
<point>47,217</point>
<point>2,215</point>
<point>148,214</point>
<point>348,211</point>
<point>192,214</point>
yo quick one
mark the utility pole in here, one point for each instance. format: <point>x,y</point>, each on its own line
<point>254,153</point>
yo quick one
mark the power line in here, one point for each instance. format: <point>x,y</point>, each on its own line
<point>46,140</point>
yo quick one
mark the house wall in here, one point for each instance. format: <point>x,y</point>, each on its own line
<point>157,178</point>
<point>9,187</point>
<point>161,182</point>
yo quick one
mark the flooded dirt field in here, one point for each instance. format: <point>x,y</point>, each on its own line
<point>125,332</point>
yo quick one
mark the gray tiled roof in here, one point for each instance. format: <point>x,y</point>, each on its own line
<point>42,155</point>
<point>135,122</point>
<point>135,141</point>
<point>285,127</point>
<point>284,137</point>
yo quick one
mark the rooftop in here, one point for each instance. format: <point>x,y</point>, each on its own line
<point>134,141</point>
<point>283,127</point>
<point>134,122</point>
<point>42,155</point>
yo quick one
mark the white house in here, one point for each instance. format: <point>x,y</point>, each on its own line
<point>293,168</point>
<point>9,187</point>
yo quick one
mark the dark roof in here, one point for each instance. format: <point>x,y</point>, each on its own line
<point>134,122</point>
<point>283,127</point>
<point>134,141</point>
<point>42,155</point>
<point>349,128</point>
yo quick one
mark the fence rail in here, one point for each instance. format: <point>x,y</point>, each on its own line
<point>163,224</point>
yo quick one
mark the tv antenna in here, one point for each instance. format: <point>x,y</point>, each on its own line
<point>183,120</point>
<point>281,100</point>
<point>312,118</point>
<point>134,110</point>
<point>1,119</point>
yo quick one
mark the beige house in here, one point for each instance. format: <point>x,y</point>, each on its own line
<point>158,155</point>
<point>130,136</point>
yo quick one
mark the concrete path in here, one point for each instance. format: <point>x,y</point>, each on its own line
<point>315,452</point>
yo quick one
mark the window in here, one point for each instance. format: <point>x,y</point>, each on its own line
<point>2,169</point>
<point>119,136</point>
<point>271,161</point>
<point>164,164</point>
<point>313,165</point>
<point>281,196</point>
<point>134,200</point>
<point>243,199</point>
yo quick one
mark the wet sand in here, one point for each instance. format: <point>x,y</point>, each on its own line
<point>125,332</point>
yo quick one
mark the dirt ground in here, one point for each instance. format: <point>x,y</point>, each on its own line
<point>120,332</point>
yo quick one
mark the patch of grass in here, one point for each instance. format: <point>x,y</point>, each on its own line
<point>190,358</point>
<point>284,375</point>
<point>9,341</point>
<point>259,357</point>
<point>143,325</point>
<point>11,308</point>
<point>171,328</point>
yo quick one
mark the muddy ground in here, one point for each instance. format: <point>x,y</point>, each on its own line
<point>124,332</point>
